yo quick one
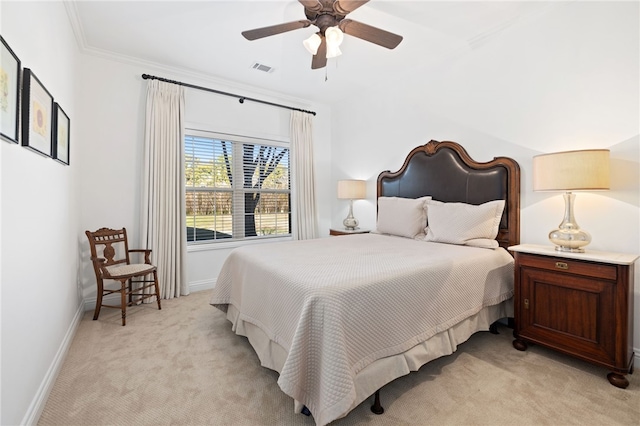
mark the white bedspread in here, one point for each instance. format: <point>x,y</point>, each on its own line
<point>338,304</point>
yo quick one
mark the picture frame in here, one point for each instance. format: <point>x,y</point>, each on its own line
<point>37,115</point>
<point>61,134</point>
<point>9,93</point>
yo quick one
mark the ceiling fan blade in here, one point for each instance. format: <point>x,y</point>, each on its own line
<point>275,29</point>
<point>312,5</point>
<point>343,7</point>
<point>371,34</point>
<point>320,58</point>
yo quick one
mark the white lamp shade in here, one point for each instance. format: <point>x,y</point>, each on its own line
<point>571,170</point>
<point>333,51</point>
<point>334,36</point>
<point>352,189</point>
<point>312,43</point>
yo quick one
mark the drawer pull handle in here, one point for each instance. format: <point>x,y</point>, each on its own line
<point>526,303</point>
<point>562,265</point>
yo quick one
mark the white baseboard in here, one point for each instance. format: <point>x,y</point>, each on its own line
<point>201,285</point>
<point>194,286</point>
<point>40,399</point>
<point>90,303</point>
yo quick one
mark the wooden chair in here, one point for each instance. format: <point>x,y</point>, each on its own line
<point>114,264</point>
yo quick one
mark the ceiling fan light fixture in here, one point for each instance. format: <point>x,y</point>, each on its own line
<point>312,43</point>
<point>333,51</point>
<point>330,18</point>
<point>334,36</point>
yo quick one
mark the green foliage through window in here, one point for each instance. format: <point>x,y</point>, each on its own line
<point>236,190</point>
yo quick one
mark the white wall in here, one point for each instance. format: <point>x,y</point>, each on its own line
<point>47,280</point>
<point>40,226</point>
<point>114,135</point>
<point>567,80</point>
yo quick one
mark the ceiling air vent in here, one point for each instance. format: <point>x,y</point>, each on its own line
<point>261,67</point>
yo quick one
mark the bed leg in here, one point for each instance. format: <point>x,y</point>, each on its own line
<point>376,408</point>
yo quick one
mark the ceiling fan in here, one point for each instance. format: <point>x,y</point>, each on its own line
<point>330,18</point>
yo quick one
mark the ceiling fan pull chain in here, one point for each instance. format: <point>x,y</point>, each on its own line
<point>326,74</point>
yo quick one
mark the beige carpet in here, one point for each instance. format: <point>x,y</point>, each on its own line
<point>184,366</point>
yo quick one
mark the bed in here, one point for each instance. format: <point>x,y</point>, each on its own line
<point>340,317</point>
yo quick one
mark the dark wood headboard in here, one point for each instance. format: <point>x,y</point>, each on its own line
<point>447,173</point>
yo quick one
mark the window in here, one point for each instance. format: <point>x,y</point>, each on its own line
<point>236,188</point>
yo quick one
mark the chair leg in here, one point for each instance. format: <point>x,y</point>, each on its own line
<point>155,282</point>
<point>98,300</point>
<point>130,284</point>
<point>123,301</point>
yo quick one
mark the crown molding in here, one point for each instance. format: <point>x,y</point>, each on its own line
<point>176,73</point>
<point>76,25</point>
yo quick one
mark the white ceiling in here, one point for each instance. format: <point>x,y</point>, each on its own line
<point>203,37</point>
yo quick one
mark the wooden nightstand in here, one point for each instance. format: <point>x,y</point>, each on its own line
<point>347,232</point>
<point>580,304</point>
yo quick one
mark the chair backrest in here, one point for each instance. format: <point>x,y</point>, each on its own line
<point>109,244</point>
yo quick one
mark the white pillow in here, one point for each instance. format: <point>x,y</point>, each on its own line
<point>461,223</point>
<point>403,217</point>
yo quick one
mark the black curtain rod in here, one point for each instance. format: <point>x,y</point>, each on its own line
<point>241,99</point>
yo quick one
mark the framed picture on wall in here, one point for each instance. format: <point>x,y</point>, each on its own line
<point>37,114</point>
<point>9,93</point>
<point>61,132</point>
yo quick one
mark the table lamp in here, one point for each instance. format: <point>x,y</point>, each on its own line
<point>571,171</point>
<point>351,189</point>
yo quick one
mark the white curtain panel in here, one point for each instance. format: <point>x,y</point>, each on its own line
<point>163,197</point>
<point>306,223</point>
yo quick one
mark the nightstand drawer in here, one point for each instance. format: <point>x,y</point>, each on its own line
<point>575,267</point>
